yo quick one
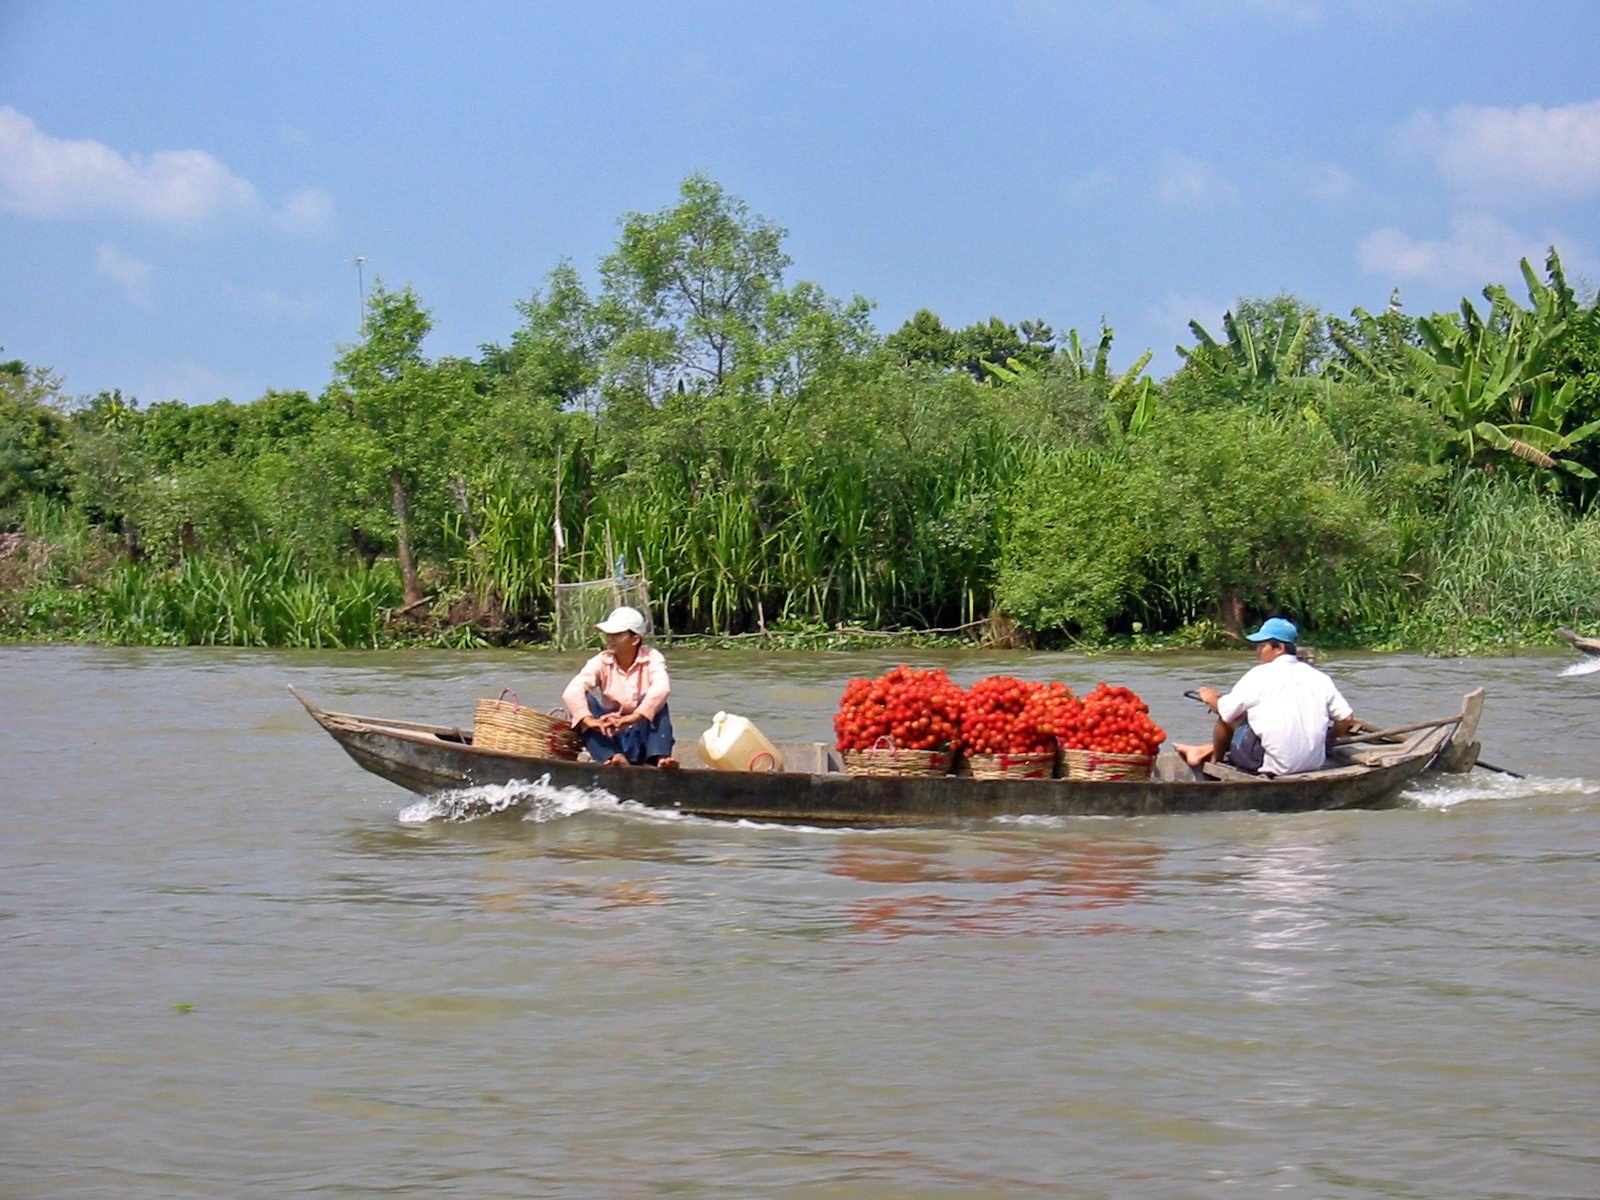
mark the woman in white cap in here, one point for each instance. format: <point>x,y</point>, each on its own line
<point>618,701</point>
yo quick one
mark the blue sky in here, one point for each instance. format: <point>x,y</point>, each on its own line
<point>184,186</point>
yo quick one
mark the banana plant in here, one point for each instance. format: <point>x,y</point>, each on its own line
<point>1493,376</point>
<point>1489,378</point>
<point>1246,358</point>
<point>1077,364</point>
<point>1539,440</point>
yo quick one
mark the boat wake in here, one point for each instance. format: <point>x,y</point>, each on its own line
<point>1448,791</point>
<point>537,801</point>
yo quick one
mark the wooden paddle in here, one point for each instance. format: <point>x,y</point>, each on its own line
<point>1378,735</point>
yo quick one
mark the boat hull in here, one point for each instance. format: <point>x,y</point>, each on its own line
<point>430,760</point>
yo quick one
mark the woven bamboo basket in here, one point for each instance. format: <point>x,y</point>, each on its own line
<point>508,727</point>
<point>893,761</point>
<point>1010,766</point>
<point>1102,764</point>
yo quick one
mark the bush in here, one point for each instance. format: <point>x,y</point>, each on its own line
<point>1255,512</point>
<point>1071,544</point>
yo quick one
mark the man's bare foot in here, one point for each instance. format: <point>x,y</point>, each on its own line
<point>1193,755</point>
<point>617,760</point>
<point>667,764</point>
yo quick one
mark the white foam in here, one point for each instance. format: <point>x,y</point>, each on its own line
<point>1056,821</point>
<point>540,801</point>
<point>1587,666</point>
<point>1481,784</point>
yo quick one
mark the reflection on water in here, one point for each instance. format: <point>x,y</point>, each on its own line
<point>1289,882</point>
<point>1032,890</point>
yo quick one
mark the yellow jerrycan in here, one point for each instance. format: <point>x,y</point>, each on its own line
<point>734,744</point>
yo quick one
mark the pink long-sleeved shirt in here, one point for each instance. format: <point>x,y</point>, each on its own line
<point>643,687</point>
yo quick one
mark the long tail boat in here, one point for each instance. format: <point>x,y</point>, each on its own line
<point>1369,771</point>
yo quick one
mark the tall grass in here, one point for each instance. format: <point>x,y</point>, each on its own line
<point>224,602</point>
<point>825,537</point>
<point>1513,557</point>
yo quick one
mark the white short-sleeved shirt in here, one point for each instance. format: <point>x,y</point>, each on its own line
<point>1291,706</point>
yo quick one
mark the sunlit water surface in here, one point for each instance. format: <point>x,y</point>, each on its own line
<point>233,964</point>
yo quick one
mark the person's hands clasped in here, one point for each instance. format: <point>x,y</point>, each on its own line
<point>612,723</point>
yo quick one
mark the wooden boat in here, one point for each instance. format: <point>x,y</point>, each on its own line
<point>815,789</point>
<point>1586,644</point>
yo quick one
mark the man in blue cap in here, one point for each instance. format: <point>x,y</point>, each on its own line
<point>1279,718</point>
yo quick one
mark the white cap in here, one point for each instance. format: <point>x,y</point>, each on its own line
<point>623,620</point>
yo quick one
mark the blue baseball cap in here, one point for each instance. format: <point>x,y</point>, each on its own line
<point>1275,629</point>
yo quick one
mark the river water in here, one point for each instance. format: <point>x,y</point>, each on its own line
<point>234,964</point>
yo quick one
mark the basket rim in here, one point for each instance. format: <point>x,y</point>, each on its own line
<point>1108,755</point>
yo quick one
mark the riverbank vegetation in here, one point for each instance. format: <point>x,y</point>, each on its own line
<point>775,466</point>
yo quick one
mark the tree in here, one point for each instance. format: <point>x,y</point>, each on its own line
<point>685,291</point>
<point>806,335</point>
<point>1267,342</point>
<point>1253,510</point>
<point>554,357</point>
<point>1071,547</point>
<point>33,433</point>
<point>402,410</point>
<point>923,339</point>
<point>1511,384</point>
<point>1373,349</point>
<point>993,341</point>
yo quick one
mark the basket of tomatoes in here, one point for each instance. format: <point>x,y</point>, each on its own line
<point>1109,735</point>
<point>1004,733</point>
<point>905,722</point>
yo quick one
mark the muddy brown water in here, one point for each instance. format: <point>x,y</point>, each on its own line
<point>234,964</point>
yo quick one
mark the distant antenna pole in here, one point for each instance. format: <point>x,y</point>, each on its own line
<point>361,285</point>
<point>555,567</point>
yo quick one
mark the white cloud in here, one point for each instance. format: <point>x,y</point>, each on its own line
<point>1157,18</point>
<point>133,275</point>
<point>1086,187</point>
<point>1191,182</point>
<point>1527,154</point>
<point>1480,249</point>
<point>274,303</point>
<point>1322,181</point>
<point>305,210</point>
<point>44,176</point>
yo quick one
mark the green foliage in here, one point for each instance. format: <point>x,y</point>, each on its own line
<point>771,463</point>
<point>685,291</point>
<point>1268,342</point>
<point>1072,545</point>
<point>1373,349</point>
<point>33,434</point>
<point>1504,382</point>
<point>555,356</point>
<point>264,602</point>
<point>1254,509</point>
<point>1512,558</point>
<point>923,339</point>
